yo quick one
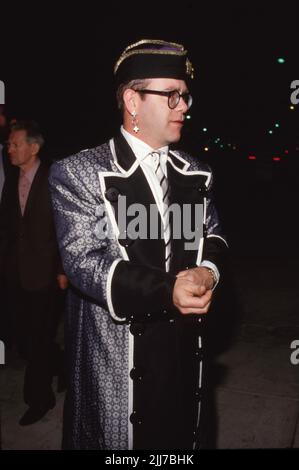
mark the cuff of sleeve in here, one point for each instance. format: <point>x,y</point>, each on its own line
<point>210,265</point>
<point>109,292</point>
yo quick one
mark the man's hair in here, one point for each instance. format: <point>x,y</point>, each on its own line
<point>138,84</point>
<point>33,134</point>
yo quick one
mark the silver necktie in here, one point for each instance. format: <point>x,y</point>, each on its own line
<point>163,181</point>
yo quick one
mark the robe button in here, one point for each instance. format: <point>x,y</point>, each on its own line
<point>125,239</point>
<point>199,354</point>
<point>136,373</point>
<point>135,418</point>
<point>112,194</point>
<point>137,329</point>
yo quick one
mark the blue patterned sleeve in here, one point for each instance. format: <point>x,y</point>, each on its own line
<point>76,203</point>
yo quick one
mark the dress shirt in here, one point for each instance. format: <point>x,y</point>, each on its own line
<point>148,164</point>
<point>25,181</point>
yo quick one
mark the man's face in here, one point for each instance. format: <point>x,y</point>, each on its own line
<point>159,125</point>
<point>20,151</point>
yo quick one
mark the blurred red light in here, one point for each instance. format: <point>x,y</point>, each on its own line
<point>252,157</point>
<point>286,152</point>
<point>276,159</point>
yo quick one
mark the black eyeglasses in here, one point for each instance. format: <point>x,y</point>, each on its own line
<point>174,97</point>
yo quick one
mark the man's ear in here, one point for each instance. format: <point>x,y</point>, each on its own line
<point>130,100</point>
<point>35,148</point>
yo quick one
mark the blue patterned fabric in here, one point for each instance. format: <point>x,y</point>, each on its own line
<point>96,345</point>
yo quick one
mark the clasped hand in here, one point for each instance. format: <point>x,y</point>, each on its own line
<point>192,293</point>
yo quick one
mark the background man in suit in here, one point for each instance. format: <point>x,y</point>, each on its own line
<point>30,265</point>
<point>134,327</point>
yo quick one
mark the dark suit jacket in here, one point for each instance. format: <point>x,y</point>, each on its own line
<point>28,248</point>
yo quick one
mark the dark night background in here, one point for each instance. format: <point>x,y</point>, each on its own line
<point>57,68</point>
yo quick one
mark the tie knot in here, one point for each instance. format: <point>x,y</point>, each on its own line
<point>155,156</point>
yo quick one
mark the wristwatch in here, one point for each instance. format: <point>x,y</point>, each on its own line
<point>213,275</point>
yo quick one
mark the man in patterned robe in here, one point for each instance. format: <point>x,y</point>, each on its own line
<point>136,306</point>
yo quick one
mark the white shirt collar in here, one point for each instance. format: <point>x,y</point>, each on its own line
<point>140,148</point>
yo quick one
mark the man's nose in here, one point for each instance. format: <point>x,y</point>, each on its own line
<point>182,106</point>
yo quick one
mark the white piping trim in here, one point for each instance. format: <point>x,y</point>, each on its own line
<point>113,151</point>
<point>176,155</point>
<point>218,236</point>
<point>109,298</point>
<point>199,386</point>
<point>102,175</point>
<point>130,391</point>
<point>204,210</point>
<point>200,374</point>
<point>201,241</point>
<point>199,253</point>
<point>198,414</point>
<point>208,174</point>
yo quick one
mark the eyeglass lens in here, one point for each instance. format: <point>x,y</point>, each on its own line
<point>175,96</point>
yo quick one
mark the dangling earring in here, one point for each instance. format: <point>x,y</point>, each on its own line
<point>135,122</point>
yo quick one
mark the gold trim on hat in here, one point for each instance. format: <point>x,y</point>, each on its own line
<point>154,41</point>
<point>127,52</point>
<point>189,68</point>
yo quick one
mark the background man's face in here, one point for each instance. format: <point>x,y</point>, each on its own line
<point>160,125</point>
<point>20,151</point>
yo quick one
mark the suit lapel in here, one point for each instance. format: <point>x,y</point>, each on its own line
<point>187,188</point>
<point>132,184</point>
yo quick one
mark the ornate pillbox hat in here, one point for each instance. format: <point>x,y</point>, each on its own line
<point>153,58</point>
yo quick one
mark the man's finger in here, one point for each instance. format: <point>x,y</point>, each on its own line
<point>195,311</point>
<point>194,301</point>
<point>182,273</point>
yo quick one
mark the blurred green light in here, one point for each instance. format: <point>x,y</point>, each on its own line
<point>276,124</point>
<point>281,60</point>
<point>270,131</point>
<point>205,129</point>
